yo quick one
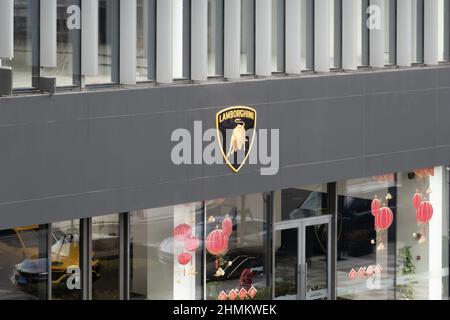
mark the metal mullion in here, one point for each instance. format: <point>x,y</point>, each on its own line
<point>86,258</point>
<point>392,238</point>
<point>45,245</point>
<point>332,200</point>
<point>124,256</point>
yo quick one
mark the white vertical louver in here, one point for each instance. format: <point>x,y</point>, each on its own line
<point>164,41</point>
<point>232,39</point>
<point>293,36</point>
<point>128,34</point>
<point>199,38</point>
<point>89,37</point>
<point>431,53</point>
<point>263,38</point>
<point>322,35</point>
<point>48,33</point>
<point>404,33</point>
<point>376,23</point>
<point>350,34</point>
<point>7,29</point>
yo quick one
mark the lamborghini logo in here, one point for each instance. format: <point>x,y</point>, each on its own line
<point>236,127</point>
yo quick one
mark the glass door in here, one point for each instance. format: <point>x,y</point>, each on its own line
<point>302,259</point>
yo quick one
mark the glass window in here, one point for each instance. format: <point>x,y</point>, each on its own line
<point>23,263</point>
<point>298,203</point>
<point>390,32</point>
<point>247,37</point>
<point>66,284</point>
<point>335,34</point>
<point>108,43</point>
<point>67,71</point>
<point>307,35</point>
<point>443,30</point>
<point>146,40</point>
<point>422,238</point>
<point>26,48</point>
<point>166,253</point>
<point>105,247</point>
<point>417,31</point>
<point>181,36</point>
<point>393,236</point>
<point>215,37</point>
<point>237,256</point>
<point>362,33</point>
<point>365,257</point>
<point>278,35</point>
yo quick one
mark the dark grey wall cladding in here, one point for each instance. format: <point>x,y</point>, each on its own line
<point>77,155</point>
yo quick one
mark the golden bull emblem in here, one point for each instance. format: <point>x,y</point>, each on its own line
<point>236,128</point>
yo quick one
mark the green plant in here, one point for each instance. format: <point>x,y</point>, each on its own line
<point>406,291</point>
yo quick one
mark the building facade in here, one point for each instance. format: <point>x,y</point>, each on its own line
<point>110,181</point>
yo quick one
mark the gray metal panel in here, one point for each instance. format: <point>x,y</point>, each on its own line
<point>82,154</point>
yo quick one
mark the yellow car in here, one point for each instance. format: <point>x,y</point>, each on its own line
<point>20,247</point>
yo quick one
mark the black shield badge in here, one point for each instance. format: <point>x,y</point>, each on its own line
<point>236,129</point>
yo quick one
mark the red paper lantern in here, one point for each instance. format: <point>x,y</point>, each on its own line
<point>424,212</point>
<point>384,219</point>
<point>376,205</point>
<point>192,244</point>
<point>182,232</point>
<point>227,226</point>
<point>416,200</point>
<point>184,258</point>
<point>217,242</point>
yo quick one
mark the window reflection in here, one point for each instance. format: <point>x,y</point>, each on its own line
<point>105,247</point>
<point>247,37</point>
<point>66,284</point>
<point>26,52</point>
<point>67,71</point>
<point>215,37</point>
<point>23,263</point>
<point>108,43</point>
<point>166,253</point>
<point>236,258</point>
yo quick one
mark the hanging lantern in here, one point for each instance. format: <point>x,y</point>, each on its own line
<point>217,242</point>
<point>384,219</point>
<point>376,205</point>
<point>227,226</point>
<point>416,200</point>
<point>192,244</point>
<point>182,232</point>
<point>184,258</point>
<point>424,212</point>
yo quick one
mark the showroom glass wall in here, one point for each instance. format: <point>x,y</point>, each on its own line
<point>391,241</point>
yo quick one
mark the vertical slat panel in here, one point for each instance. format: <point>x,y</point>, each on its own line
<point>128,13</point>
<point>263,38</point>
<point>232,39</point>
<point>349,35</point>
<point>404,35</point>
<point>89,37</point>
<point>164,41</point>
<point>377,32</point>
<point>48,33</point>
<point>199,45</point>
<point>293,36</point>
<point>7,29</point>
<point>322,35</point>
<point>431,53</point>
